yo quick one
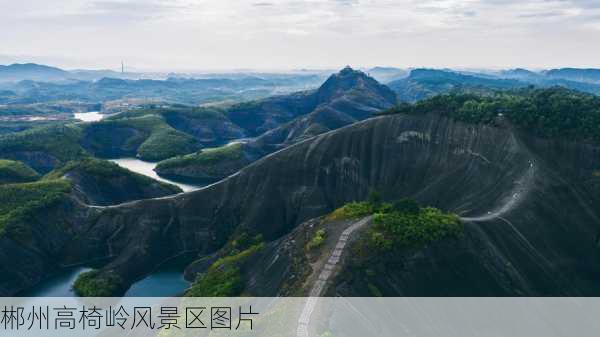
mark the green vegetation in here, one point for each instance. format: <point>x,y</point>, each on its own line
<point>21,203</point>
<point>166,143</point>
<point>399,225</point>
<point>148,136</point>
<point>317,240</point>
<point>106,170</point>
<point>552,113</point>
<point>352,210</point>
<point>16,172</point>
<point>58,141</point>
<point>397,230</point>
<point>98,284</point>
<point>206,157</point>
<point>172,111</point>
<point>224,277</point>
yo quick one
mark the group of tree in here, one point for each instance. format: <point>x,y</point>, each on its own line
<point>553,113</point>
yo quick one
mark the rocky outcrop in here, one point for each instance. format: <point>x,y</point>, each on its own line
<point>545,243</point>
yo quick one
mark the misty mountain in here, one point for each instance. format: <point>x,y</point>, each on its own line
<point>575,74</point>
<point>387,74</point>
<point>31,71</point>
<point>424,83</point>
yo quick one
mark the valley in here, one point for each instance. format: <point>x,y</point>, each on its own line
<point>500,180</point>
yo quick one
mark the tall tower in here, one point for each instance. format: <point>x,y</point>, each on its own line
<point>122,67</point>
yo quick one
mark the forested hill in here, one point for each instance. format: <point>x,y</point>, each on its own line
<point>551,113</point>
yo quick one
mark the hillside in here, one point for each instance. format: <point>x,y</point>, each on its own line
<point>30,84</point>
<point>148,137</point>
<point>425,83</point>
<point>528,206</point>
<point>345,98</point>
<point>161,131</point>
<point>99,182</point>
<point>43,148</point>
<point>556,112</point>
<point>575,74</point>
<point>31,71</point>
<point>16,172</point>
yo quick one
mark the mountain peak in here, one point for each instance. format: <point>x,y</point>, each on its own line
<point>350,79</point>
<point>347,71</point>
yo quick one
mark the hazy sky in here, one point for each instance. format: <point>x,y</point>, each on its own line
<point>284,34</point>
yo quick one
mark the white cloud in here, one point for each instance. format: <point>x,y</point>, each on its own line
<point>297,33</point>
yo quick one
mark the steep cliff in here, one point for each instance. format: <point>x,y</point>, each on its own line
<point>530,213</point>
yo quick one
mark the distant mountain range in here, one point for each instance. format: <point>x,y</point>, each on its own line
<point>425,83</point>
<point>33,83</point>
<point>31,71</point>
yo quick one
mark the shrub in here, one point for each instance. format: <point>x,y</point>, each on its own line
<point>374,198</point>
<point>317,240</point>
<point>223,278</point>
<point>398,230</point>
<point>406,205</point>
<point>98,284</point>
<point>351,210</point>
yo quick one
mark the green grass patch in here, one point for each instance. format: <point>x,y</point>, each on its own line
<point>98,284</point>
<point>16,172</point>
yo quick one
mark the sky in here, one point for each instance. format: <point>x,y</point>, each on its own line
<point>177,35</point>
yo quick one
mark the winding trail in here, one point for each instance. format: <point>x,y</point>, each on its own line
<point>524,185</point>
<point>325,275</point>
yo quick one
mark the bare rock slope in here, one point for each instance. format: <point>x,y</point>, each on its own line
<point>545,242</point>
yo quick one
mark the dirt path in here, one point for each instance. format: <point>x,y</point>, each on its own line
<point>325,275</point>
